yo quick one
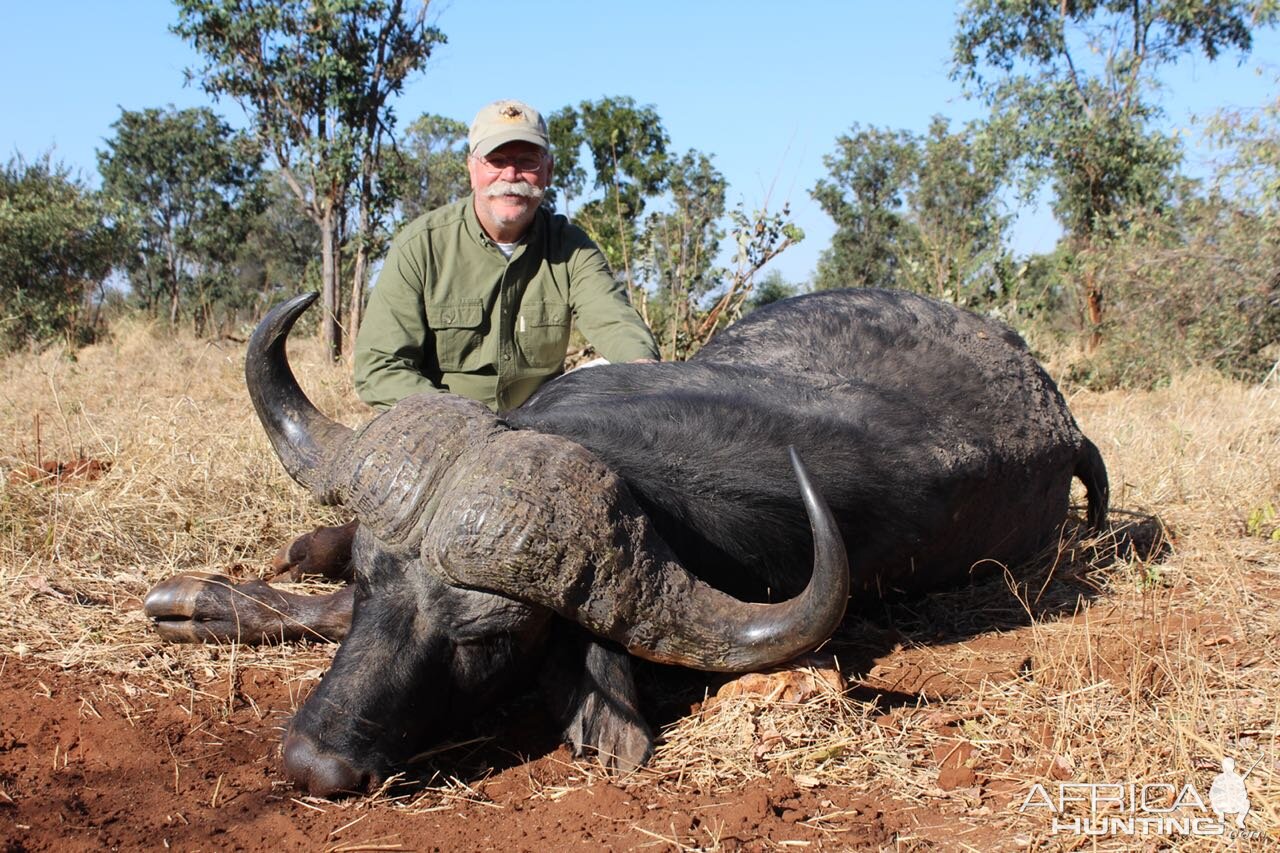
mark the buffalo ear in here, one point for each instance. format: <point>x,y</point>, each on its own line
<point>591,695</point>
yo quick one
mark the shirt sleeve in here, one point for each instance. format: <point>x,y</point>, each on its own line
<point>603,313</point>
<point>390,356</point>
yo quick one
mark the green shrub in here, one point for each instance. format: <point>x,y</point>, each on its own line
<point>1198,286</point>
<point>56,246</point>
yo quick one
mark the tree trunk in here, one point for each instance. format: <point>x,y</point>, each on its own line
<point>1092,299</point>
<point>364,241</point>
<point>172,262</point>
<point>355,312</point>
<point>330,332</point>
<point>1093,296</point>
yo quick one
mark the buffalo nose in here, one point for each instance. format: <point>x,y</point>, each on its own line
<point>321,774</point>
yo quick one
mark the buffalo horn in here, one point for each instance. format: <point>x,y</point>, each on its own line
<point>714,631</point>
<point>304,439</point>
<point>597,559</point>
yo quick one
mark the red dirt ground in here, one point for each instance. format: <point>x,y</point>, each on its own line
<point>94,764</point>
<point>86,769</point>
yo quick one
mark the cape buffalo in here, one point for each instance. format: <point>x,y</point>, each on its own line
<point>650,510</point>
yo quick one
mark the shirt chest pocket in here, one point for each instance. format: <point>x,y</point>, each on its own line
<point>542,333</point>
<point>458,330</point>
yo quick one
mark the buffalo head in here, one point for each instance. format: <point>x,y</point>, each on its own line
<point>476,544</point>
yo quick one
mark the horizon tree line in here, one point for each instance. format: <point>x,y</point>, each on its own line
<point>207,224</point>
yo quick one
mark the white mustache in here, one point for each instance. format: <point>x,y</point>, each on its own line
<point>498,188</point>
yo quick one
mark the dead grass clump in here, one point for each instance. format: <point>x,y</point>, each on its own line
<point>829,737</point>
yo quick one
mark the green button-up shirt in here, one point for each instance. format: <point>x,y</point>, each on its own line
<point>450,312</point>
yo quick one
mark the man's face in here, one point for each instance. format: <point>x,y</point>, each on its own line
<point>509,184</point>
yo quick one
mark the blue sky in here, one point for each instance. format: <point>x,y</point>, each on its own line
<point>764,87</point>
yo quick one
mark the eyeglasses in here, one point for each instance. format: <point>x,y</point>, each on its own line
<point>526,163</point>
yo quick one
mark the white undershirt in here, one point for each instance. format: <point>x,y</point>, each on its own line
<point>507,248</point>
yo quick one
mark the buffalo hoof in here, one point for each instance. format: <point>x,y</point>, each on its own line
<point>199,608</point>
<point>322,774</point>
<point>621,740</point>
<point>622,748</point>
<point>325,551</point>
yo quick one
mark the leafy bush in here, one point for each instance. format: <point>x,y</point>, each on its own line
<point>1199,285</point>
<point>56,247</point>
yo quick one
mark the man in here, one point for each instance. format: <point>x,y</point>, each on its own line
<point>476,298</point>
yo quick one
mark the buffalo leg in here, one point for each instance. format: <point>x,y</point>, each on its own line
<point>200,608</point>
<point>591,694</point>
<point>324,552</point>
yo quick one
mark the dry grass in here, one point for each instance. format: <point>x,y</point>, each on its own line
<point>193,486</point>
<point>1102,664</point>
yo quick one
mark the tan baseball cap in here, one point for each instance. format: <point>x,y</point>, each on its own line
<point>507,121</point>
